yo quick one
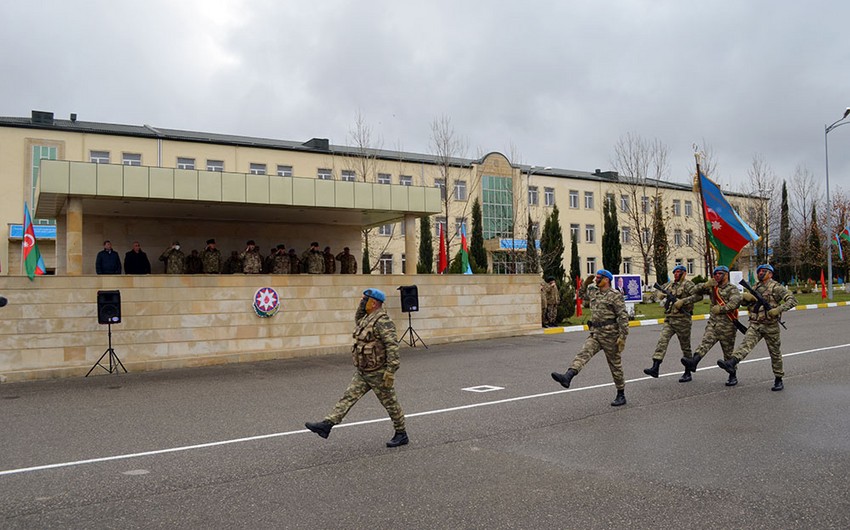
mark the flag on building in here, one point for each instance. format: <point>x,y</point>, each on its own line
<point>837,242</point>
<point>443,263</point>
<point>33,262</point>
<point>845,234</point>
<point>464,251</point>
<point>726,231</point>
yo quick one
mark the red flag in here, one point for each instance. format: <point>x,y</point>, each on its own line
<point>444,262</point>
<point>822,286</point>
<point>578,298</point>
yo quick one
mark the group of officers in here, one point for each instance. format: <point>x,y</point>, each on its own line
<point>210,260</point>
<point>610,325</point>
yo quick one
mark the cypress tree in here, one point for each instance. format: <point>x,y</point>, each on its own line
<point>575,261</point>
<point>425,265</point>
<point>660,249</point>
<point>476,242</point>
<point>784,270</point>
<point>814,255</point>
<point>611,248</point>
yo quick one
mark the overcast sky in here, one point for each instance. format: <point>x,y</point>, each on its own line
<point>551,83</point>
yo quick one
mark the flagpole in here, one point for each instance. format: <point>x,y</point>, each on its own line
<point>708,254</point>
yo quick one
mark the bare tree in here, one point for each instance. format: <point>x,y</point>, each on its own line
<point>760,214</point>
<point>804,193</point>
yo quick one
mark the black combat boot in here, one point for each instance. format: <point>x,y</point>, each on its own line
<point>777,385</point>
<point>691,362</point>
<point>654,370</point>
<point>620,399</point>
<point>400,438</point>
<point>731,366</point>
<point>733,380</point>
<point>322,428</point>
<point>565,378</point>
<point>686,377</point>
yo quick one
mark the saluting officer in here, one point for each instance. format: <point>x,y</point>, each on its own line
<point>677,321</point>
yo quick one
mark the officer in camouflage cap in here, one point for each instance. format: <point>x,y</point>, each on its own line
<point>608,332</point>
<point>175,260</point>
<point>211,258</point>
<point>375,355</point>
<point>677,321</point>
<point>764,324</point>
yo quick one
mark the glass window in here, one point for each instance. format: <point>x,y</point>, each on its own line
<point>627,265</point>
<point>644,236</point>
<point>324,174</point>
<point>591,266</point>
<point>532,195</point>
<point>461,222</point>
<point>185,163</point>
<point>497,206</point>
<point>574,228</point>
<point>677,207</point>
<point>385,178</point>
<point>549,196</point>
<point>588,200</point>
<point>284,171</point>
<point>689,209</point>
<point>385,230</point>
<point>644,204</point>
<point>385,264</point>
<point>99,157</point>
<point>624,203</point>
<point>402,231</point>
<point>625,235</point>
<point>441,183</point>
<point>405,180</point>
<point>257,169</point>
<point>677,237</point>
<point>460,190</point>
<point>438,222</point>
<point>589,234</point>
<point>690,265</point>
<point>215,165</point>
<point>39,153</point>
<point>348,175</point>
<point>535,230</point>
<point>131,159</point>
<point>574,199</point>
<point>689,238</point>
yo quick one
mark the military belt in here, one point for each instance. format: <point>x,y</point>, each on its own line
<point>601,323</point>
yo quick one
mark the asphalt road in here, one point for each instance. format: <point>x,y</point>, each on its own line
<point>225,447</point>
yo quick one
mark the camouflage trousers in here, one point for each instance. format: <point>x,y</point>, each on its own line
<point>678,326</point>
<point>606,341</point>
<point>550,314</point>
<point>361,383</point>
<point>721,331</point>
<point>770,334</point>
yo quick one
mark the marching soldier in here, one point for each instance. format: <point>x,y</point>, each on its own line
<point>764,324</point>
<point>608,332</point>
<point>553,298</point>
<point>375,354</point>
<point>724,299</point>
<point>677,321</point>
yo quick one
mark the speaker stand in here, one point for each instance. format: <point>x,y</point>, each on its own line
<point>411,334</point>
<point>114,361</point>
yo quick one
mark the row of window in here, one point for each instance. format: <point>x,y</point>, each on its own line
<point>647,203</point>
<point>626,235</point>
<point>548,196</point>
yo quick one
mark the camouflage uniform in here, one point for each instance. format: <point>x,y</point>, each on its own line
<point>294,262</point>
<point>553,298</point>
<point>211,258</point>
<point>314,261</point>
<point>175,261</point>
<point>720,327</point>
<point>677,321</point>
<point>281,263</point>
<point>193,264</point>
<point>763,326</point>
<point>374,352</point>
<point>330,262</point>
<point>347,263</point>
<point>252,262</point>
<point>233,264</point>
<point>610,322</point>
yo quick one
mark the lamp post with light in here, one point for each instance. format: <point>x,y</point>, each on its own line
<point>826,130</point>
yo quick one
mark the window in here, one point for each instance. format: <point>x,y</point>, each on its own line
<point>386,264</point>
<point>574,228</point>
<point>461,222</point>
<point>385,230</point>
<point>284,171</point>
<point>460,190</point>
<point>690,265</point>
<point>591,266</point>
<point>533,195</point>
<point>624,203</point>
<point>677,237</point>
<point>440,222</point>
<point>441,183</point>
<point>99,157</point>
<point>497,206</point>
<point>535,230</point>
<point>257,169</point>
<point>405,180</point>
<point>677,207</point>
<point>574,199</point>
<point>549,196</point>
<point>348,175</point>
<point>627,265</point>
<point>385,178</point>
<point>625,235</point>
<point>403,262</point>
<point>324,174</point>
<point>39,153</point>
<point>403,232</point>
<point>131,159</point>
<point>185,163</point>
<point>588,200</point>
<point>644,204</point>
<point>609,198</point>
<point>215,165</point>
<point>644,236</point>
<point>689,238</point>
<point>689,209</point>
<point>589,234</point>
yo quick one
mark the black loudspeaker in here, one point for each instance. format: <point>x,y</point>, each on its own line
<point>409,298</point>
<point>108,307</point>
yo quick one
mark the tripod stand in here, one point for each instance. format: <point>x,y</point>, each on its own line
<point>114,361</point>
<point>411,334</point>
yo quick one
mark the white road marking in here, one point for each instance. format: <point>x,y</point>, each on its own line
<point>366,422</point>
<point>483,388</point>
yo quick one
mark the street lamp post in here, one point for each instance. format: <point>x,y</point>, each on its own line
<point>826,129</point>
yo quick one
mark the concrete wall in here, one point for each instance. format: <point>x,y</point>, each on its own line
<point>49,327</point>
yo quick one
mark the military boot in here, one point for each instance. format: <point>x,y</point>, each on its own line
<point>686,377</point>
<point>777,384</point>
<point>620,399</point>
<point>400,438</point>
<point>691,362</point>
<point>565,378</point>
<point>733,380</point>
<point>322,428</point>
<point>729,365</point>
<point>654,370</point>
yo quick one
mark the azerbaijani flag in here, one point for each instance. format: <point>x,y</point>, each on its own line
<point>727,232</point>
<point>444,261</point>
<point>464,251</point>
<point>33,262</point>
<point>837,243</point>
<point>845,234</point>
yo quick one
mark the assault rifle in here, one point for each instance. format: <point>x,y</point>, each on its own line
<point>670,300</point>
<point>761,303</point>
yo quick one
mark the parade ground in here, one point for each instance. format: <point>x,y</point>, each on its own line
<point>495,442</point>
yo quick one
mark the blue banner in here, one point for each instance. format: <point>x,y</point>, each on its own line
<point>41,231</point>
<point>630,286</point>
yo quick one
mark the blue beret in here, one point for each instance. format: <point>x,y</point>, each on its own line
<point>680,268</point>
<point>377,294</point>
<point>607,274</point>
<point>765,266</point>
<point>721,268</point>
